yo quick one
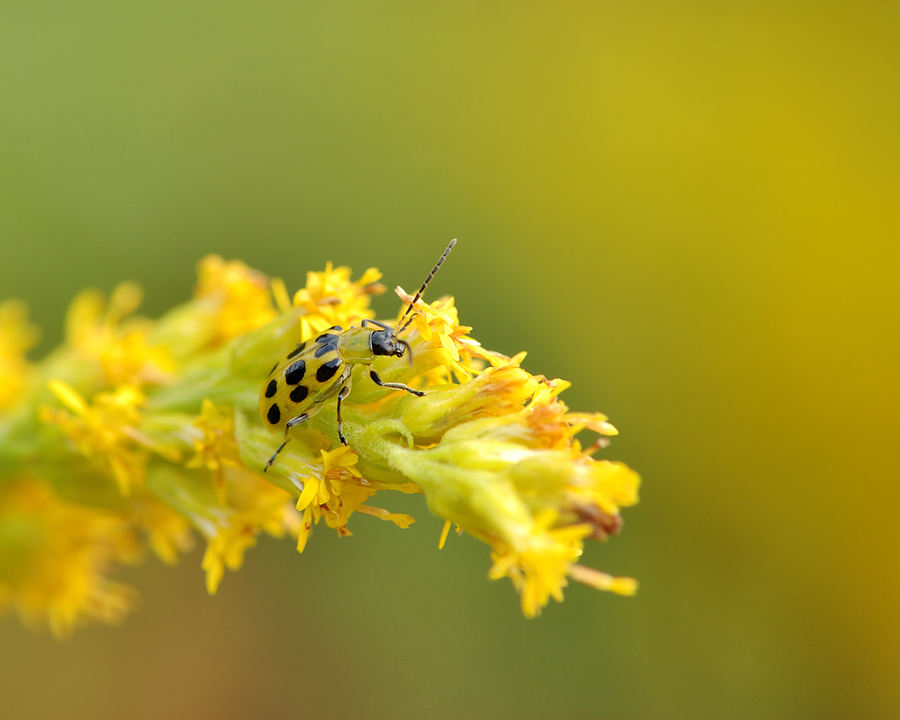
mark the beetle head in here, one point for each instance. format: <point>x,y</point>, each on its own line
<point>384,343</point>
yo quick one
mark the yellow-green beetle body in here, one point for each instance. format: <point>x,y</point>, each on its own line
<point>318,370</point>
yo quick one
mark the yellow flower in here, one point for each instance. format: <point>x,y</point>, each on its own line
<point>54,573</point>
<point>168,533</point>
<point>17,337</point>
<point>330,298</point>
<point>168,410</point>
<point>235,528</point>
<point>226,549</point>
<point>217,446</point>
<point>337,494</point>
<point>107,431</point>
<point>241,297</point>
<point>437,325</point>
<point>341,458</point>
<point>506,468</point>
<point>102,332</point>
<point>541,561</point>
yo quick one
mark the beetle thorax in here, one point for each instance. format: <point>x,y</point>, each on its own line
<point>353,346</point>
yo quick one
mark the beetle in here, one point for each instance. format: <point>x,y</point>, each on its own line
<point>319,369</point>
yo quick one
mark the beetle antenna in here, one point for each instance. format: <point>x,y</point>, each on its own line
<point>431,275</point>
<point>408,349</point>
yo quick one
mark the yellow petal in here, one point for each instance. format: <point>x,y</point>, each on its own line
<point>310,488</point>
<point>68,396</point>
<point>444,534</point>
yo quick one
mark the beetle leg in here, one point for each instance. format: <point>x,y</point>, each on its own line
<point>345,391</point>
<point>293,422</point>
<point>395,386</point>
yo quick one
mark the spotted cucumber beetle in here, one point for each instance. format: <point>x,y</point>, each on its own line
<point>319,369</point>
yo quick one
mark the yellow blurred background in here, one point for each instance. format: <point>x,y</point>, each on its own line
<point>690,210</point>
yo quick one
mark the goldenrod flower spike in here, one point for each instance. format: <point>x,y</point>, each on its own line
<point>141,435</point>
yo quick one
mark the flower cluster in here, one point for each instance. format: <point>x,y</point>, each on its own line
<point>140,435</point>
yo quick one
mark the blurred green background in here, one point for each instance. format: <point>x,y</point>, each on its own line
<point>688,209</point>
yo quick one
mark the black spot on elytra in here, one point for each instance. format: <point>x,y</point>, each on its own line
<point>327,347</point>
<point>297,350</point>
<point>295,373</point>
<point>299,393</point>
<point>274,414</point>
<point>327,370</point>
<point>326,339</point>
<point>271,389</point>
<point>336,327</point>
